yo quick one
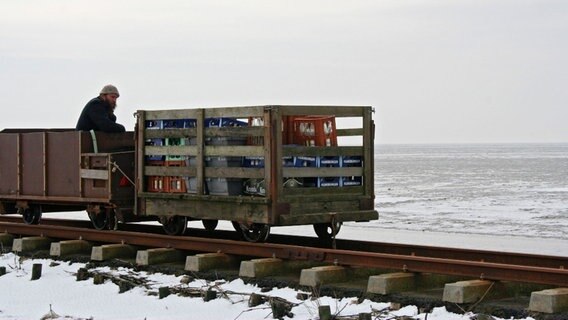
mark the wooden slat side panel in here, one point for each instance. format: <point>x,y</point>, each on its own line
<point>229,112</point>
<point>63,163</point>
<point>209,151</point>
<point>222,172</point>
<point>200,162</point>
<point>94,174</point>
<point>368,157</point>
<point>349,132</point>
<point>235,112</point>
<point>322,194</point>
<point>32,163</point>
<point>168,114</point>
<point>337,111</point>
<point>210,209</point>
<point>8,164</point>
<point>296,151</point>
<point>322,172</point>
<point>209,132</point>
<point>140,163</point>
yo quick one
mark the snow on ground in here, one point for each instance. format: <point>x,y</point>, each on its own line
<point>21,298</point>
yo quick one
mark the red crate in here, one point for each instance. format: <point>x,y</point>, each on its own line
<point>168,184</point>
<point>157,184</point>
<point>176,185</point>
<point>317,131</point>
<point>174,163</point>
<point>288,129</point>
<point>255,140</point>
<point>155,163</point>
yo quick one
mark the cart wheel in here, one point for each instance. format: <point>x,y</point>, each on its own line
<point>103,220</point>
<point>325,230</point>
<point>209,225</point>
<point>31,215</point>
<point>175,226</point>
<point>257,232</point>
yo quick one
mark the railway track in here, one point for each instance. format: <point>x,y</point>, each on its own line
<point>488,265</point>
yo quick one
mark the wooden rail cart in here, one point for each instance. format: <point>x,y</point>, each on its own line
<point>55,170</point>
<point>290,192</point>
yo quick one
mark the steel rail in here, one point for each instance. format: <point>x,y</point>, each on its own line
<point>534,260</point>
<point>408,263</point>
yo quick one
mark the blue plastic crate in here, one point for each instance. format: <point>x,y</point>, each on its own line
<point>328,161</point>
<point>180,123</point>
<point>154,124</point>
<point>253,162</point>
<point>351,181</point>
<point>224,122</point>
<point>303,161</point>
<point>223,162</point>
<point>351,161</point>
<point>155,142</point>
<point>323,182</point>
<point>288,161</point>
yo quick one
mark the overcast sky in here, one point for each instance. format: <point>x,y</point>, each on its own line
<point>439,71</point>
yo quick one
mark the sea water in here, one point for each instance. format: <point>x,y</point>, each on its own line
<point>497,189</point>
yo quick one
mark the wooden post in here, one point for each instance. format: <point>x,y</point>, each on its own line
<point>210,295</point>
<point>163,292</point>
<point>280,307</point>
<point>364,316</point>
<point>124,286</point>
<point>255,300</point>
<point>82,274</point>
<point>98,279</point>
<point>302,296</point>
<point>324,312</point>
<point>36,271</point>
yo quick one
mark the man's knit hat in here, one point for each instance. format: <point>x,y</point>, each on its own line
<point>109,89</point>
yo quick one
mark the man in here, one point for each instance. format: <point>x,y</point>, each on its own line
<point>98,114</point>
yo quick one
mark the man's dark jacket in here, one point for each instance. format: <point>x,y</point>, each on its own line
<point>97,115</point>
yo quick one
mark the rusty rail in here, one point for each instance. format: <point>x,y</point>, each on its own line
<point>509,258</point>
<point>476,269</point>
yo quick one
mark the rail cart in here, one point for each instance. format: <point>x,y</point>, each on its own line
<point>257,167</point>
<point>55,170</point>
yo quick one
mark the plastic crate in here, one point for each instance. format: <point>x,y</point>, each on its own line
<point>328,162</point>
<point>317,131</point>
<point>323,182</point>
<point>157,184</point>
<point>303,161</point>
<point>351,181</point>
<point>174,163</point>
<point>179,123</point>
<point>351,161</point>
<point>287,130</point>
<point>217,162</point>
<point>176,185</point>
<point>175,142</point>
<point>154,124</point>
<point>253,162</point>
<point>288,161</point>
<point>155,163</point>
<point>191,184</point>
<point>221,162</point>
<point>224,122</point>
<point>255,187</point>
<point>224,186</point>
<point>255,140</point>
<point>155,142</point>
